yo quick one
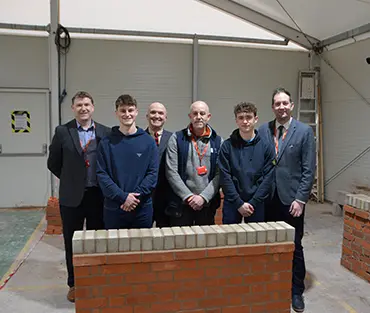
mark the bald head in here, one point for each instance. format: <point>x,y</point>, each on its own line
<point>199,105</point>
<point>156,116</point>
<point>199,115</point>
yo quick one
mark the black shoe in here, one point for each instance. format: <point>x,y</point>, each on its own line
<point>298,303</point>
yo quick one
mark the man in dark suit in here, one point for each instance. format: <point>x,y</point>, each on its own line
<point>72,159</point>
<point>295,152</point>
<point>157,117</point>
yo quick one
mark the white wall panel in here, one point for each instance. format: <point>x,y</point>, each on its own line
<point>346,117</point>
<point>229,75</point>
<point>148,71</point>
<point>24,62</point>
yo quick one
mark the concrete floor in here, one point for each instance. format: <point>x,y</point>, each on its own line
<point>39,284</point>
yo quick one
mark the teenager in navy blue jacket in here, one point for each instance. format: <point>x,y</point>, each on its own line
<point>127,170</point>
<point>246,169</point>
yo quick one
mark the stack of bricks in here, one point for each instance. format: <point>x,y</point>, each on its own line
<point>356,235</point>
<point>53,219</point>
<point>200,269</point>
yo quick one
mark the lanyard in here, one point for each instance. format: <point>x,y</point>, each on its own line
<point>277,141</point>
<point>200,155</point>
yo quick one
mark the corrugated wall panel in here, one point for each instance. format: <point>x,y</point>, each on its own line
<point>24,62</point>
<point>229,75</point>
<point>148,71</point>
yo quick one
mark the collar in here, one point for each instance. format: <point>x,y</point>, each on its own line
<point>92,125</point>
<point>160,132</point>
<point>206,134</point>
<point>286,125</point>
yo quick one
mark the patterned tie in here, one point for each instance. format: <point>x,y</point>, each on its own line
<point>156,137</point>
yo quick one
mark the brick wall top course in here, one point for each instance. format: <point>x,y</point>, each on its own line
<point>176,238</point>
<point>358,201</point>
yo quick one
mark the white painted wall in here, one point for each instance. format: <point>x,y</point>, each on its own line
<point>346,117</point>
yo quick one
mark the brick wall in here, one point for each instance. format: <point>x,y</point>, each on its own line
<point>53,219</point>
<point>247,270</point>
<point>356,236</point>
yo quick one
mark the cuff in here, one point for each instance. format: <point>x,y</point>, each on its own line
<point>300,201</point>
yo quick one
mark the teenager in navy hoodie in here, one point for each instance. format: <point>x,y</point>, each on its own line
<point>127,170</point>
<point>246,169</point>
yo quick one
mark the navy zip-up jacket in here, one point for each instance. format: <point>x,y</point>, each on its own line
<point>127,164</point>
<point>246,171</point>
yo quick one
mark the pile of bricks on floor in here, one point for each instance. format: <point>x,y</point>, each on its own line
<point>199,269</point>
<point>356,235</point>
<point>53,219</point>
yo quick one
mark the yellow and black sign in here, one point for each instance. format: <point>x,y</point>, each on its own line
<point>21,122</point>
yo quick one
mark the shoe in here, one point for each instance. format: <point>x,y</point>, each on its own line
<point>71,294</point>
<point>298,303</point>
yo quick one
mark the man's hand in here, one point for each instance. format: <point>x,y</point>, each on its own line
<point>196,202</point>
<point>246,209</point>
<point>131,202</point>
<point>296,208</point>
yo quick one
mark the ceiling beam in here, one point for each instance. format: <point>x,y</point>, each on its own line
<point>345,35</point>
<point>263,21</point>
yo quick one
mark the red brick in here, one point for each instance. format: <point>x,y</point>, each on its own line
<point>116,290</point>
<point>281,248</point>
<point>117,269</point>
<point>214,302</point>
<point>191,254</point>
<point>188,274</point>
<point>92,303</point>
<point>142,308</point>
<point>83,292</point>
<point>358,233</point>
<point>140,288</point>
<point>116,280</point>
<point>348,236</point>
<point>165,307</point>
<point>278,286</point>
<point>348,209</point>
<point>116,301</point>
<point>89,260</point>
<point>165,266</point>
<point>141,278</point>
<point>278,267</point>
<point>236,300</point>
<point>237,309</point>
<point>189,305</point>
<point>252,250</point>
<point>123,309</point>
<point>91,281</point>
<point>123,258</point>
<point>220,252</point>
<point>141,299</point>
<point>141,268</point>
<point>190,294</point>
<point>164,276</point>
<point>82,271</point>
<point>157,256</point>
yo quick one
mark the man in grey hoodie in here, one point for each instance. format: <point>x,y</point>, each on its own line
<point>192,172</point>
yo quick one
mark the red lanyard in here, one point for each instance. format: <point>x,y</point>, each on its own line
<point>277,142</point>
<point>200,155</point>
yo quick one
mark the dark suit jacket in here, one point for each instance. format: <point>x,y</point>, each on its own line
<point>296,162</point>
<point>66,161</point>
<point>159,198</point>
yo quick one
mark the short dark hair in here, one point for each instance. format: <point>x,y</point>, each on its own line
<point>125,100</point>
<point>81,95</point>
<point>245,107</point>
<point>281,90</point>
